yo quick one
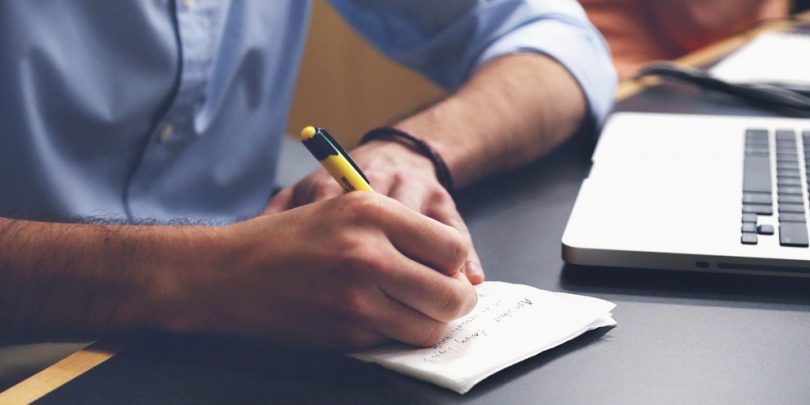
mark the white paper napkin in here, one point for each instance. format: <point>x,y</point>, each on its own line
<point>510,323</point>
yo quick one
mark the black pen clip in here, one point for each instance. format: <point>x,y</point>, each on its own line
<point>345,154</point>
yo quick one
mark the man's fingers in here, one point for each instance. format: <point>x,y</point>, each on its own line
<point>414,195</point>
<point>402,323</point>
<point>442,209</point>
<point>424,239</point>
<point>324,189</point>
<point>349,336</point>
<point>434,294</point>
<point>411,194</point>
<point>316,185</point>
<point>320,186</point>
<point>282,201</point>
<point>473,268</point>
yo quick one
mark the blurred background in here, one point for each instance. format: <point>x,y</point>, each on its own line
<point>347,86</point>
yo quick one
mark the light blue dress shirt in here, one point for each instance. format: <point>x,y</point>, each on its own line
<point>169,109</point>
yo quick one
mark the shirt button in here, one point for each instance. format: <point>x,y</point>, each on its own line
<point>188,3</point>
<point>166,133</point>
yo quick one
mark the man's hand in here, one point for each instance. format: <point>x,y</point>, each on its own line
<point>494,117</point>
<point>394,170</point>
<point>349,272</point>
<point>511,111</point>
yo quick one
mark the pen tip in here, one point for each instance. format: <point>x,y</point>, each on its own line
<point>307,133</point>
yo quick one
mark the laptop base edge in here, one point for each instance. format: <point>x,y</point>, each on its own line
<point>684,262</point>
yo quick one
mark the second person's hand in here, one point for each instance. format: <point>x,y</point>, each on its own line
<point>394,170</point>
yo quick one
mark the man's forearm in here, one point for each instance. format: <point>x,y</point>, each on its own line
<point>511,111</point>
<point>82,279</point>
<point>346,273</point>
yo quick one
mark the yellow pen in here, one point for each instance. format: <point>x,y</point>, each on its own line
<point>334,159</point>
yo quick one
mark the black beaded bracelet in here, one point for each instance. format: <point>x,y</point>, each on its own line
<point>419,145</point>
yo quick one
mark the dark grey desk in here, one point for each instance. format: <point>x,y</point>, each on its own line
<point>681,338</point>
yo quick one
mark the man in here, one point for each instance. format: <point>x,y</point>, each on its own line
<point>172,113</point>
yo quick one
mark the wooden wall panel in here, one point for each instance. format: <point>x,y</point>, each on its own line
<point>347,86</point>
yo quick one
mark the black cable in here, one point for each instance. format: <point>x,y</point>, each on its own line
<point>764,95</point>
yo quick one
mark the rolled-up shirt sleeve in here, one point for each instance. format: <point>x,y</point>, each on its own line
<point>449,40</point>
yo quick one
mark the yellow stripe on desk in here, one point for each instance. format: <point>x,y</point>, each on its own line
<point>53,377</point>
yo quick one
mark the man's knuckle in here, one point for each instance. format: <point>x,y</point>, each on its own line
<point>344,241</point>
<point>375,177</point>
<point>349,336</point>
<point>452,305</point>
<point>431,335</point>
<point>358,200</point>
<point>352,304</point>
<point>359,339</point>
<point>322,188</point>
<point>470,301</point>
<point>365,206</point>
<point>401,178</point>
<point>440,196</point>
<point>459,248</point>
<point>356,255</point>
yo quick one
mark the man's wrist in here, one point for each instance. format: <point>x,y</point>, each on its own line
<point>185,259</point>
<point>399,152</point>
<point>421,153</point>
<point>89,279</point>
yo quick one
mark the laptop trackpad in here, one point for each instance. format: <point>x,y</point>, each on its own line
<point>663,200</point>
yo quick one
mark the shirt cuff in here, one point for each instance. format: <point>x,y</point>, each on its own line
<point>580,49</point>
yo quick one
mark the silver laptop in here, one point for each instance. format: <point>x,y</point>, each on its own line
<point>696,192</point>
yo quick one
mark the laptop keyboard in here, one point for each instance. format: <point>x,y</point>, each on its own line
<point>792,152</point>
